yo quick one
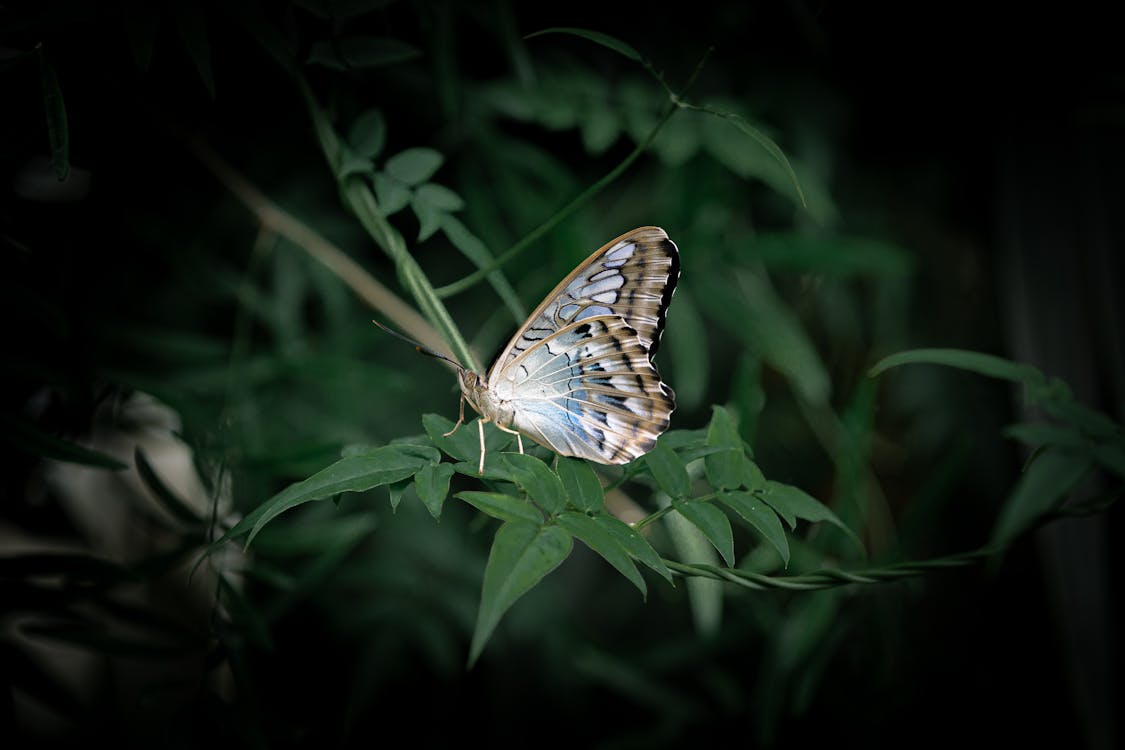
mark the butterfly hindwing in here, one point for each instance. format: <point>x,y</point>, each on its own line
<point>588,390</point>
<point>578,376</point>
<point>632,277</point>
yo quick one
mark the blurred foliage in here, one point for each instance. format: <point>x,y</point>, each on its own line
<point>232,512</point>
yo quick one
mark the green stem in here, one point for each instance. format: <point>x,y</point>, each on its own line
<point>361,200</point>
<point>676,103</point>
<point>828,578</point>
<point>276,220</point>
<point>652,517</point>
<point>763,140</point>
<point>668,508</point>
<point>584,197</point>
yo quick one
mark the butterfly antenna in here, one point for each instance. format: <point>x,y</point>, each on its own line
<point>419,347</point>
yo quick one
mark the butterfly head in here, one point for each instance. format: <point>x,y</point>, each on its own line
<point>473,386</point>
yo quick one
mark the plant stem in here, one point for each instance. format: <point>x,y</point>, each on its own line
<point>584,197</point>
<point>829,578</point>
<point>273,218</point>
<point>361,200</point>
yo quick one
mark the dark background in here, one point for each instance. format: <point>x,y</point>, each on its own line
<point>987,146</point>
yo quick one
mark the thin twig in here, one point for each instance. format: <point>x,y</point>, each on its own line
<point>830,578</point>
<point>275,219</point>
<point>472,279</point>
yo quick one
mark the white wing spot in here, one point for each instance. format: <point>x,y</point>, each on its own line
<point>621,253</point>
<point>593,310</point>
<point>607,298</point>
<point>605,285</point>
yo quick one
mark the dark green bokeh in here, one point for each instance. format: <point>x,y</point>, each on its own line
<point>960,189</point>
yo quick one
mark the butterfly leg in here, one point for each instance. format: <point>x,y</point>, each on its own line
<point>460,419</point>
<point>480,427</point>
<point>510,431</point>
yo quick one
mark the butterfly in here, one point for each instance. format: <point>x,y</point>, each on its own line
<point>578,376</point>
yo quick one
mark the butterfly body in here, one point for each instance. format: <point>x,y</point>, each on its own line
<point>578,376</point>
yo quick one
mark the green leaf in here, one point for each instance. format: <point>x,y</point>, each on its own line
<point>753,313</point>
<point>678,141</point>
<point>1090,421</point>
<point>268,35</point>
<point>475,250</point>
<point>713,523</point>
<point>361,52</point>
<point>581,484</point>
<point>726,463</point>
<point>600,129</point>
<point>429,218</point>
<point>501,506</point>
<point>391,463</point>
<point>761,517</point>
<point>752,477</point>
<point>432,485</point>
<point>601,540</point>
<point>352,163</point>
<point>522,554</point>
<point>414,165</point>
<point>830,255</point>
<point>779,337</point>
<point>747,393</point>
<point>791,502</point>
<point>725,468</point>
<point>493,470</point>
<point>342,538</point>
<point>668,470</point>
<point>682,440</point>
<point>395,492</point>
<point>982,364</point>
<point>1042,488</point>
<point>597,37</point>
<point>368,134</point>
<point>326,53</point>
<point>391,194</point>
<point>439,197</point>
<point>701,450</point>
<point>58,133</point>
<point>1042,433</point>
<point>432,204</point>
<point>28,437</point>
<point>314,536</point>
<point>536,479</point>
<point>771,148</point>
<point>761,159</point>
<point>464,444</point>
<point>375,52</point>
<point>635,544</point>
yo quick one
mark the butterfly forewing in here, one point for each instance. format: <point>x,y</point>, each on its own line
<point>632,277</point>
<point>578,376</point>
<point>588,390</point>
